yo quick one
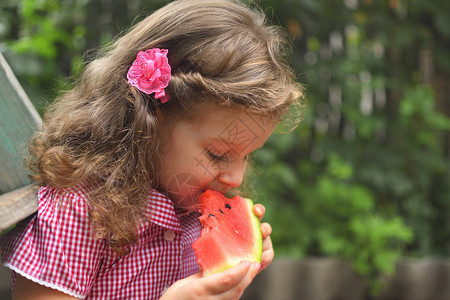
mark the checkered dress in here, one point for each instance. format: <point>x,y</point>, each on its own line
<point>55,248</point>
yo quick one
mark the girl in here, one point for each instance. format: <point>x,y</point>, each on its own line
<point>172,108</point>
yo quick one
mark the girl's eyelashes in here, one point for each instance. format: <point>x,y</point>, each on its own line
<point>216,157</point>
<point>221,157</point>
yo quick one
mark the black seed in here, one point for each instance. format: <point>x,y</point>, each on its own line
<point>211,215</point>
<point>228,206</point>
<point>221,212</point>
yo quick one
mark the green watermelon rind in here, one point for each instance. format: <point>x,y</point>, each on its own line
<point>257,226</point>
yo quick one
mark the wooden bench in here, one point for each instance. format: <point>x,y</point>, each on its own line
<point>18,120</point>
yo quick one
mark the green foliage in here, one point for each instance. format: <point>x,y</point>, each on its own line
<point>337,217</point>
<point>45,44</point>
<point>366,176</point>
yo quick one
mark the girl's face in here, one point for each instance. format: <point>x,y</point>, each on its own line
<point>208,153</point>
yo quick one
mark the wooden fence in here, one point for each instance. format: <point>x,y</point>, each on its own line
<point>332,279</point>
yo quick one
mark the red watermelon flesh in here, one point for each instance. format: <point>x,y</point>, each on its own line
<point>230,233</point>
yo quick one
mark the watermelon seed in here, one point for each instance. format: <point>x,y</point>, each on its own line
<point>221,212</point>
<point>211,215</point>
<point>228,206</point>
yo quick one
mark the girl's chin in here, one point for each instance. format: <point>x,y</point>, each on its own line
<point>189,201</point>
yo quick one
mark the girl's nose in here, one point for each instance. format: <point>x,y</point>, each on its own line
<point>232,175</point>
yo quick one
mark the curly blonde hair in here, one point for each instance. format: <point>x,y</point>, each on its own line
<point>104,130</point>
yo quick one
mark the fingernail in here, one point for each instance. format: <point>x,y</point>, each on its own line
<point>256,265</point>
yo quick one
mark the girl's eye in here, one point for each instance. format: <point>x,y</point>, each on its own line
<point>215,156</point>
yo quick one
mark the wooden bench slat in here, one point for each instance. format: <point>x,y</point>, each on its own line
<point>17,205</point>
<point>18,120</point>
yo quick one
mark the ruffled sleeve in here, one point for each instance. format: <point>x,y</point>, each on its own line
<point>56,247</point>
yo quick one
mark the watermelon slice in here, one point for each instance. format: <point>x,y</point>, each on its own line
<point>230,233</point>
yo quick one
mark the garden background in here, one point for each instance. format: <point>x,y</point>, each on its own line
<point>366,175</point>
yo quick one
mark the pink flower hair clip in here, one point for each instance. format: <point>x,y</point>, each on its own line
<point>150,73</point>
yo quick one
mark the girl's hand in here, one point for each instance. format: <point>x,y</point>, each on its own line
<point>227,285</point>
<point>268,252</point>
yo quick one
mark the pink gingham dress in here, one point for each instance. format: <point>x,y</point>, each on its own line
<point>55,248</point>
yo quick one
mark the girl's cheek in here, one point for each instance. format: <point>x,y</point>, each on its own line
<point>206,169</point>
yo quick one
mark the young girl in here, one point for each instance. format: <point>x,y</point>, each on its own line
<point>172,108</point>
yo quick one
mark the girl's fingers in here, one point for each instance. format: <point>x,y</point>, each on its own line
<point>222,282</point>
<point>259,210</point>
<point>266,230</point>
<point>252,272</point>
<point>236,291</point>
<point>226,285</point>
<point>267,254</point>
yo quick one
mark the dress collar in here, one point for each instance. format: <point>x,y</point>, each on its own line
<point>161,211</point>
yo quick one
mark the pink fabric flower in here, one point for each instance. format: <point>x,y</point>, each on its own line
<point>150,73</point>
